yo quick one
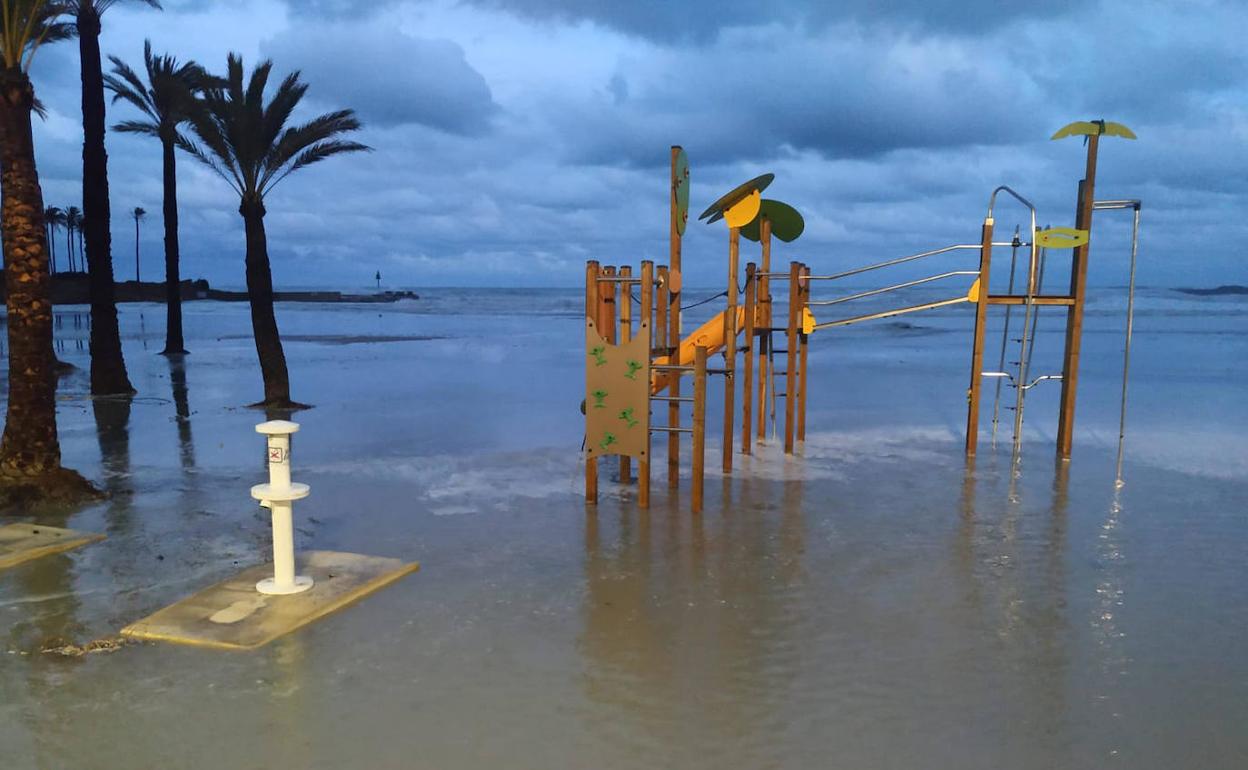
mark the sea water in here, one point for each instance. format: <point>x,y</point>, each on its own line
<point>868,602</point>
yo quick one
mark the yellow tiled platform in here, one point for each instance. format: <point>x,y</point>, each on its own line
<point>19,543</point>
<point>232,615</point>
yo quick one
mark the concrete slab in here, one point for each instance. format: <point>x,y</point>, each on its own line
<point>232,615</point>
<point>21,542</point>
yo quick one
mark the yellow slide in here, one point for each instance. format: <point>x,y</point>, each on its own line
<point>709,335</point>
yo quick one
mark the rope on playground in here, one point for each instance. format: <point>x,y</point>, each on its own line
<point>687,307</point>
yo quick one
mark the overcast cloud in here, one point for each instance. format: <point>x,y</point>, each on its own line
<point>521,137</point>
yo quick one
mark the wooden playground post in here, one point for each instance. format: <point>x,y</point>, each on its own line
<point>790,373</point>
<point>730,344</point>
<point>765,335</point>
<point>699,426</point>
<point>658,332</point>
<point>747,387</point>
<point>626,334</point>
<point>1074,314</point>
<point>673,335</point>
<point>977,345</point>
<point>804,341</point>
<point>647,309</point>
<point>591,313</point>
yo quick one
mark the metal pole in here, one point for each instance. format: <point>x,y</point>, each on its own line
<point>790,369</point>
<point>1126,353</point>
<point>1024,349</point>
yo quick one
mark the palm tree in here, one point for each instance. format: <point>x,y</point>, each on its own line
<point>248,144</point>
<point>108,367</point>
<point>30,453</point>
<point>165,101</point>
<point>73,222</point>
<point>53,218</point>
<point>138,213</point>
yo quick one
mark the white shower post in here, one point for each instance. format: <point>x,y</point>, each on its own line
<point>279,496</point>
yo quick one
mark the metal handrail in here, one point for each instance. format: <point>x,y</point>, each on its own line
<point>891,313</point>
<point>894,287</point>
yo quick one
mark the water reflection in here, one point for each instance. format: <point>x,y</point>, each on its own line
<point>182,409</point>
<point>696,623</point>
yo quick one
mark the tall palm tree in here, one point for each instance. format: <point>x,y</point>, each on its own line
<point>53,218</point>
<point>248,144</point>
<point>30,454</point>
<point>108,367</point>
<point>73,223</point>
<point>165,100</point>
<point>138,213</point>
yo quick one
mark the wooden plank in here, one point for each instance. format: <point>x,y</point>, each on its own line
<point>626,334</point>
<point>1039,299</point>
<point>233,615</point>
<point>804,343</point>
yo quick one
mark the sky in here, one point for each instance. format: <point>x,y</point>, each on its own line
<point>515,139</point>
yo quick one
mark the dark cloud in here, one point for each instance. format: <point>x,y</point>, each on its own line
<point>393,79</point>
<point>674,20</point>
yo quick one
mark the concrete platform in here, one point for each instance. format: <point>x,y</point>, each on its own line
<point>19,543</point>
<point>232,615</point>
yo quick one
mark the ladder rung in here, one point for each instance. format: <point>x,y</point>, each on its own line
<point>672,368</point>
<point>667,429</point>
<point>681,399</point>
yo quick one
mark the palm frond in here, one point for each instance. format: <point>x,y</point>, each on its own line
<point>137,127</point>
<point>315,154</point>
<point>27,24</point>
<point>223,167</point>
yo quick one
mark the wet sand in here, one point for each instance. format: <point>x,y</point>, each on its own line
<point>871,603</point>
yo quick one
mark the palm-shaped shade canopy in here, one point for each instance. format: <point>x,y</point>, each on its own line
<point>246,141</point>
<point>166,99</point>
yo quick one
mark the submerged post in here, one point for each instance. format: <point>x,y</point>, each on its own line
<point>763,298</point>
<point>804,341</point>
<point>1074,314</point>
<point>747,386</point>
<point>279,496</point>
<point>592,312</point>
<point>699,427</point>
<point>644,328</point>
<point>624,335</point>
<point>730,343</point>
<point>977,344</point>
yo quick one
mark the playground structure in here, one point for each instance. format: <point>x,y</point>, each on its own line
<point>628,370</point>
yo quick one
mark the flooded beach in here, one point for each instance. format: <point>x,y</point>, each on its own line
<point>869,602</point>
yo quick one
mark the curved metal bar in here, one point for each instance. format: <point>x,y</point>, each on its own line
<point>992,201</point>
<point>894,287</point>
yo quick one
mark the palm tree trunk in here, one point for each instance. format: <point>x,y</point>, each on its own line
<point>263,320</point>
<point>29,446</point>
<point>108,368</point>
<point>52,246</point>
<point>69,246</point>
<point>174,344</point>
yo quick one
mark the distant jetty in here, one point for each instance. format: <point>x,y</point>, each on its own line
<point>1221,291</point>
<point>73,289</point>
